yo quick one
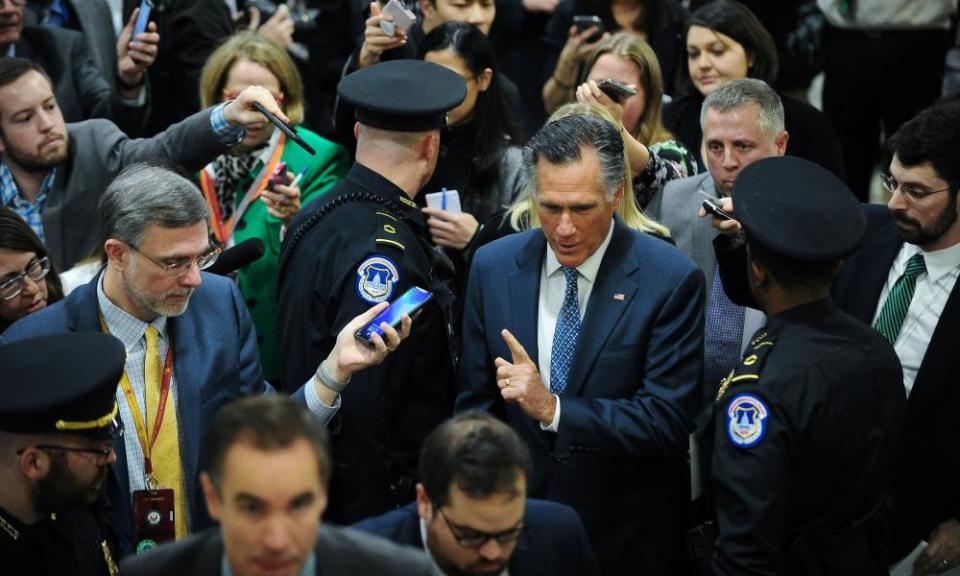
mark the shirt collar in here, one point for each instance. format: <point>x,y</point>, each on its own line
<point>590,266</point>
<point>939,262</point>
<point>9,193</point>
<point>12,50</point>
<point>122,325</point>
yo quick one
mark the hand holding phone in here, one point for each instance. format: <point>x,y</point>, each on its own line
<point>713,207</point>
<point>402,19</point>
<point>616,90</point>
<point>407,304</point>
<point>279,177</point>
<point>584,22</point>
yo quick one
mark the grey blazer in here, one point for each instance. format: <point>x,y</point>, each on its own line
<point>96,25</point>
<point>97,152</point>
<point>81,91</point>
<point>339,552</point>
<point>675,206</point>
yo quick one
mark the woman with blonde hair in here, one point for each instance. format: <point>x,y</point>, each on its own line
<point>522,215</point>
<point>249,192</point>
<point>655,156</point>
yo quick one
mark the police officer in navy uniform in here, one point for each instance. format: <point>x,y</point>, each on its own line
<point>364,242</point>
<point>805,429</point>
<point>58,418</point>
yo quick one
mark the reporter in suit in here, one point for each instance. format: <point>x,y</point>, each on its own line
<point>266,482</point>
<point>587,338</point>
<point>920,223</point>
<point>189,338</point>
<point>472,515</point>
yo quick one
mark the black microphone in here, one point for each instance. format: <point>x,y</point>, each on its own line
<point>236,257</point>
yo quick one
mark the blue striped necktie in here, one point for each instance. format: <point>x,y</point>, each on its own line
<point>565,336</point>
<point>894,310</point>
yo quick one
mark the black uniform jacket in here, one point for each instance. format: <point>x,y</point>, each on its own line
<point>805,440</point>
<point>359,251</point>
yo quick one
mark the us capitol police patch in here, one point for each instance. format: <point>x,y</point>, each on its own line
<point>746,420</point>
<point>376,278</point>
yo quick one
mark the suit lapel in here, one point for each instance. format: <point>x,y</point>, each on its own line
<point>185,366</point>
<point>940,356</point>
<point>611,295</point>
<point>702,231</point>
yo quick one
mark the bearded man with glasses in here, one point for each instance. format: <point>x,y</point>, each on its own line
<point>472,515</point>
<point>191,348</point>
<point>56,447</point>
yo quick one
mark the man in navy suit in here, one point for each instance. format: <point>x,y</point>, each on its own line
<point>186,333</point>
<point>920,224</point>
<point>472,514</point>
<point>587,338</point>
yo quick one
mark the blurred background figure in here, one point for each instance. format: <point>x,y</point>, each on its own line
<point>655,156</point>
<point>243,201</point>
<point>28,281</point>
<point>724,42</point>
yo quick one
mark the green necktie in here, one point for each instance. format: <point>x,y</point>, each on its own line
<point>895,308</point>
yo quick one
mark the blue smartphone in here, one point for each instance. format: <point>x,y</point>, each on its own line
<point>143,18</point>
<point>411,301</point>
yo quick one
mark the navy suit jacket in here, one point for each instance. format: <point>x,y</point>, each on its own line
<point>553,542</point>
<point>926,488</point>
<point>215,361</point>
<point>619,457</point>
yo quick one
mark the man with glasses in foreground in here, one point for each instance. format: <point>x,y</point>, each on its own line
<point>472,514</point>
<point>190,344</point>
<point>903,281</point>
<point>56,444</point>
<point>267,471</point>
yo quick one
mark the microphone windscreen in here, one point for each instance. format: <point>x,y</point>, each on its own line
<point>236,257</point>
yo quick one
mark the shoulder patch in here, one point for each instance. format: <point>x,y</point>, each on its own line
<point>376,278</point>
<point>746,420</point>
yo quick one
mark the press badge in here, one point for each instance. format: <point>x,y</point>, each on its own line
<point>153,518</point>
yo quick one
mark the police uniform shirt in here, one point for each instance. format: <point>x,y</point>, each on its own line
<point>67,543</point>
<point>804,435</point>
<point>371,248</point>
<point>930,297</point>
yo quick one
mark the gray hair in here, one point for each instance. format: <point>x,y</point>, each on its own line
<point>142,196</point>
<point>561,142</point>
<point>741,92</point>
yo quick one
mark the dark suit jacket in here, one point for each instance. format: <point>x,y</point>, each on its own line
<point>215,361</point>
<point>926,488</point>
<point>92,19</point>
<point>81,90</point>
<point>553,542</point>
<point>98,151</point>
<point>619,457</point>
<point>339,552</point>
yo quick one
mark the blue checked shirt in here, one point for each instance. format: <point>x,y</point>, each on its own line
<point>31,212</point>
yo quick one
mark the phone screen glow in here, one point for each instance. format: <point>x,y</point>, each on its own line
<point>408,303</point>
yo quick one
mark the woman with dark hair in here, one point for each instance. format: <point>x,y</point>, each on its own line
<point>659,22</point>
<point>27,279</point>
<point>478,155</point>
<point>725,41</point>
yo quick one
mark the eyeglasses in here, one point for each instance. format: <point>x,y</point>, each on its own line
<point>181,267</point>
<point>36,271</point>
<point>234,94</point>
<point>101,452</point>
<point>469,538</point>
<point>890,184</point>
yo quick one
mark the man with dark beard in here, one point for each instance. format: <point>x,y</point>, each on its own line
<point>903,281</point>
<point>56,446</point>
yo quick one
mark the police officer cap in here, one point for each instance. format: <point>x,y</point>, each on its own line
<point>65,383</point>
<point>403,95</point>
<point>798,209</point>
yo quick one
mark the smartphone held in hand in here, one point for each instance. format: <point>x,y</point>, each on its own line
<point>400,18</point>
<point>408,303</point>
<point>143,18</point>
<point>616,90</point>
<point>584,22</point>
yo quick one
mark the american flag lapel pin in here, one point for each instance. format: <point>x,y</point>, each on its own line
<point>619,296</point>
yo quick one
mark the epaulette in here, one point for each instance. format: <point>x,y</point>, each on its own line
<point>387,231</point>
<point>749,368</point>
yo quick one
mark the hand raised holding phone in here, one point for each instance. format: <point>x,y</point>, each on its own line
<point>375,40</point>
<point>721,212</point>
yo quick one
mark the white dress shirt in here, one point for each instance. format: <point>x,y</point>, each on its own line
<point>553,285</point>
<point>929,298</point>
